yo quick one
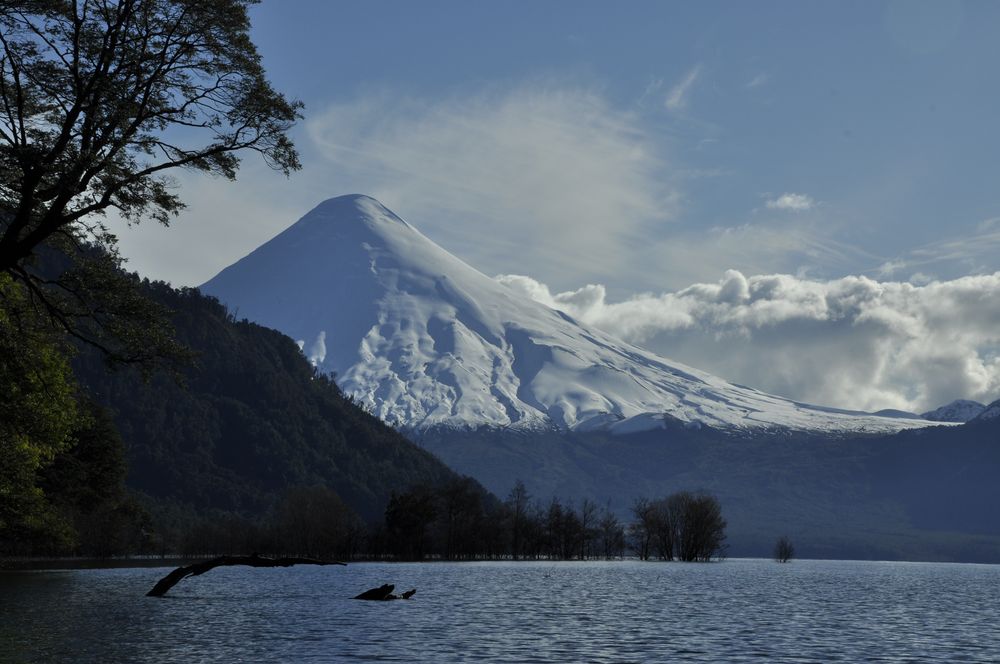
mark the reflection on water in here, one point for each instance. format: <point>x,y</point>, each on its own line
<point>739,610</point>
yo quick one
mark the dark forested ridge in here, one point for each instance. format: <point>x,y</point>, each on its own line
<point>248,421</point>
<point>925,494</point>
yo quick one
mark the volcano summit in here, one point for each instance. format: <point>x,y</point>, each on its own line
<point>424,340</point>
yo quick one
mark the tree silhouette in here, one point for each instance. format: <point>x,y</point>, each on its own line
<point>517,504</point>
<point>684,526</point>
<point>99,103</point>
<point>783,549</point>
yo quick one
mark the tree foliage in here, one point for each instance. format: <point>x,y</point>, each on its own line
<point>38,414</point>
<point>62,464</point>
<point>101,100</point>
<point>684,526</point>
<point>459,520</point>
<point>249,421</point>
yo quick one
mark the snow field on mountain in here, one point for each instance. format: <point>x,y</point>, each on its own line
<point>423,339</point>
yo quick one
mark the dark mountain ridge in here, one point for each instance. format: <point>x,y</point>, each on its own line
<point>248,420</point>
<point>924,494</point>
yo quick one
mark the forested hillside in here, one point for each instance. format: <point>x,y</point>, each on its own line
<point>246,422</point>
<point>926,494</point>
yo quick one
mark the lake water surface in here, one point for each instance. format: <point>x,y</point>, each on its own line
<point>732,611</point>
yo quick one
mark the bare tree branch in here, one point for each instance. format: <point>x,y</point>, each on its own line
<point>175,577</point>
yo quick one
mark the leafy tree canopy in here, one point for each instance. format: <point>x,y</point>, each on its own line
<point>100,100</point>
<point>38,414</point>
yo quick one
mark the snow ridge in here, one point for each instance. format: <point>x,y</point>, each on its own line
<point>960,410</point>
<point>990,412</point>
<point>423,339</point>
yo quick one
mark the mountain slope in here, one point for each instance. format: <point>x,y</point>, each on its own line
<point>988,413</point>
<point>422,339</point>
<point>960,410</point>
<point>248,422</point>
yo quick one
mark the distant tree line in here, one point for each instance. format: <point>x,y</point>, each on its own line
<point>458,520</point>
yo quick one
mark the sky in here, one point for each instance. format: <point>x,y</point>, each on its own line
<point>798,196</point>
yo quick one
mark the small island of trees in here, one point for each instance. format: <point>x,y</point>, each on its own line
<point>783,549</point>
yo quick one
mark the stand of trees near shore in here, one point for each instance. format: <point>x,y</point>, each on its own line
<point>683,526</point>
<point>459,521</point>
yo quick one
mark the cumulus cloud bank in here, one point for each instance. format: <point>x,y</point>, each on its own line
<point>852,342</point>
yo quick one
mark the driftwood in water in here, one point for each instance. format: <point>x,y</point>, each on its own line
<point>384,593</point>
<point>171,580</point>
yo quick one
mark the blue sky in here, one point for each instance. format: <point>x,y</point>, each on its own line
<point>885,115</point>
<point>642,146</point>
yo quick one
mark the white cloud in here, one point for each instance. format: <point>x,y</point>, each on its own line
<point>793,202</point>
<point>545,174</point>
<point>758,80</point>
<point>852,342</point>
<point>317,351</point>
<point>677,98</point>
<point>891,267</point>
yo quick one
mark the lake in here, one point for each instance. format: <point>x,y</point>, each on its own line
<point>731,611</point>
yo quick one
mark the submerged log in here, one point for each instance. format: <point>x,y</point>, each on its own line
<point>384,594</point>
<point>172,579</point>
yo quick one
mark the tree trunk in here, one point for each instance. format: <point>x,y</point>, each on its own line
<point>172,579</point>
<point>384,593</point>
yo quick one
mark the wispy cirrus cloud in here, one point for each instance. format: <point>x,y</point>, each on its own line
<point>548,174</point>
<point>973,253</point>
<point>677,98</point>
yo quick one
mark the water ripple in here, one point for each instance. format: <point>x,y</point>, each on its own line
<point>735,611</point>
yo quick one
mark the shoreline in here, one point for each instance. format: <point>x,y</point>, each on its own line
<point>139,562</point>
<point>57,564</point>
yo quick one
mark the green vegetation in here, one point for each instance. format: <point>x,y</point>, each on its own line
<point>102,101</point>
<point>61,461</point>
<point>244,427</point>
<point>38,413</point>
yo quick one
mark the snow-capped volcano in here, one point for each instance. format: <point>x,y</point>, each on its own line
<point>423,339</point>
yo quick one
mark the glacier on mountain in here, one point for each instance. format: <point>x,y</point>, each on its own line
<point>422,339</point>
